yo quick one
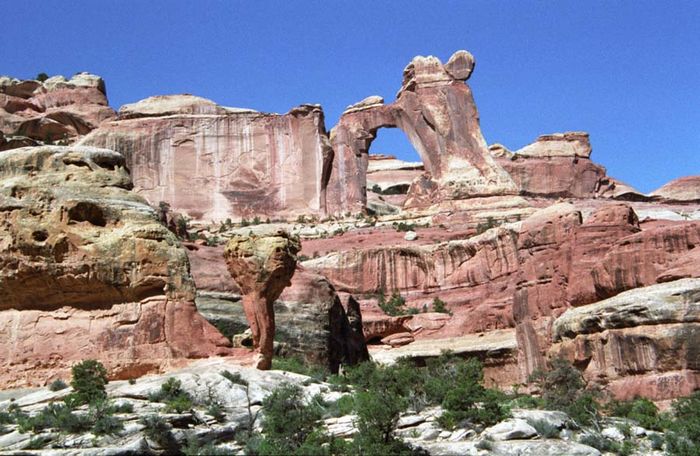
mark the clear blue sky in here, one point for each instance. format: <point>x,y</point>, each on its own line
<point>628,72</point>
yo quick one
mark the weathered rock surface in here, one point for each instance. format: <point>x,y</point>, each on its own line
<point>681,189</point>
<point>555,165</point>
<point>437,112</point>
<point>57,109</point>
<point>262,268</point>
<point>214,163</point>
<point>641,342</point>
<point>86,271</point>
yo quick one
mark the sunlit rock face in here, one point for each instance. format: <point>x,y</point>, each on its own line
<point>643,342</point>
<point>214,163</point>
<point>262,267</point>
<point>436,110</point>
<point>556,165</point>
<point>58,109</point>
<point>87,271</point>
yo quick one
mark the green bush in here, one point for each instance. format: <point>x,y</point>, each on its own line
<point>684,436</point>
<point>41,77</point>
<point>545,429</point>
<point>56,416</point>
<point>563,388</point>
<point>641,410</point>
<point>396,305</point>
<point>159,431</point>
<point>440,306</point>
<point>88,382</point>
<point>57,385</point>
<point>287,422</point>
<point>600,443</point>
<point>173,396</point>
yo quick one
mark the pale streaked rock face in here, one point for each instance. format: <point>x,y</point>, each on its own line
<point>214,163</point>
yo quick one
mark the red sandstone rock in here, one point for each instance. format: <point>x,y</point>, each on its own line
<point>262,267</point>
<point>86,271</point>
<point>214,163</point>
<point>681,189</point>
<point>57,109</point>
<point>640,342</point>
<point>437,113</point>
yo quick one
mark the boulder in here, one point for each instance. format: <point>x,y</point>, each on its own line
<point>511,429</point>
<point>262,268</point>
<point>87,271</point>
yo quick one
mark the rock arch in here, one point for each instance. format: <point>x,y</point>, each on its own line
<point>436,110</point>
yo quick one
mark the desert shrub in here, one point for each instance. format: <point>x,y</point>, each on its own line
<point>403,227</point>
<point>41,77</point>
<point>545,429</point>
<point>440,306</point>
<point>376,189</point>
<point>287,422</point>
<point>641,410</point>
<point>101,415</point>
<point>298,366</point>
<point>57,385</point>
<point>656,441</point>
<point>600,443</point>
<point>563,388</point>
<point>486,443</point>
<point>195,448</point>
<point>89,378</point>
<point>158,430</point>
<point>56,416</point>
<point>396,305</point>
<point>684,436</point>
<point>124,407</point>
<point>171,393</point>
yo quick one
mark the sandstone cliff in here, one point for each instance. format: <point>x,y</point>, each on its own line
<point>86,271</point>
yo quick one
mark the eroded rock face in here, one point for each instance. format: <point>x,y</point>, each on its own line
<point>555,165</point>
<point>57,109</point>
<point>312,322</point>
<point>643,342</point>
<point>86,270</point>
<point>437,112</point>
<point>681,189</point>
<point>262,268</point>
<point>214,163</point>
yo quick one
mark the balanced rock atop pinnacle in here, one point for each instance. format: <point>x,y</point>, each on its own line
<point>262,267</point>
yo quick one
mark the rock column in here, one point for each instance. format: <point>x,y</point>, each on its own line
<point>262,266</point>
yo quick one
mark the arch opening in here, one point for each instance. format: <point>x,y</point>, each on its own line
<point>392,164</point>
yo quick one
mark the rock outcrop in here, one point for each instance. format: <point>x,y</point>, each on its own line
<point>436,110</point>
<point>312,322</point>
<point>555,165</point>
<point>681,189</point>
<point>212,162</point>
<point>262,268</point>
<point>87,271</point>
<point>34,112</point>
<point>643,342</point>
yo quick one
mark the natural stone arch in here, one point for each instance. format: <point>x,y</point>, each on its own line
<point>436,110</point>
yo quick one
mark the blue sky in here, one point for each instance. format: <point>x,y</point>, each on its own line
<point>628,72</point>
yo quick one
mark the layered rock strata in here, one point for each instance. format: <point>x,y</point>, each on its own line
<point>262,268</point>
<point>87,271</point>
<point>212,162</point>
<point>57,109</point>
<point>643,342</point>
